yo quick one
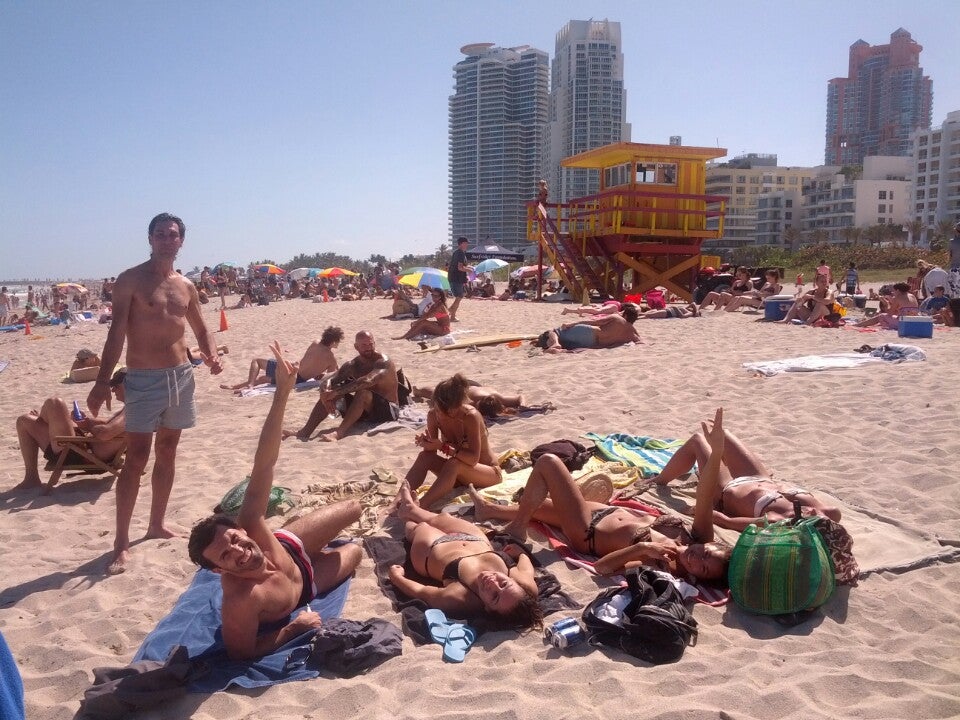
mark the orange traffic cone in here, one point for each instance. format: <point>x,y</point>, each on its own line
<point>223,320</point>
<point>326,297</point>
<point>26,328</point>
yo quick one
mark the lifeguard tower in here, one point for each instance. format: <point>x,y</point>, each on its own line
<point>649,217</point>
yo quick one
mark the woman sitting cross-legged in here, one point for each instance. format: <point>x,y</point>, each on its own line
<point>472,577</point>
<point>620,537</point>
<point>456,429</point>
<point>435,320</point>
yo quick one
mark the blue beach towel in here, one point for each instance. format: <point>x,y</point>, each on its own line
<point>194,622</point>
<point>647,453</point>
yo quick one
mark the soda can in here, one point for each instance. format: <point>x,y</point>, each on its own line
<point>565,633</point>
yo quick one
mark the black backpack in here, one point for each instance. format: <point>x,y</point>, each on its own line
<point>571,453</point>
<point>657,627</point>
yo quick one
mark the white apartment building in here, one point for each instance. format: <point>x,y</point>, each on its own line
<point>777,211</point>
<point>880,196</point>
<point>587,103</point>
<point>497,121</point>
<point>936,172</point>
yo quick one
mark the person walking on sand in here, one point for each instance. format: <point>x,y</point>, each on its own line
<point>152,304</point>
<point>457,275</point>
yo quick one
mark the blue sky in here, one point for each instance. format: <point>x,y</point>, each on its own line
<point>275,128</point>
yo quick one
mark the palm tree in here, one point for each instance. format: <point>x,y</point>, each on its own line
<point>443,254</point>
<point>791,238</point>
<point>915,228</point>
<point>852,234</point>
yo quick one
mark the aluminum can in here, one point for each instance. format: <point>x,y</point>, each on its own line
<point>565,633</point>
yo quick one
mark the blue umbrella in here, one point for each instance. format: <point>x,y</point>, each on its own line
<point>488,265</point>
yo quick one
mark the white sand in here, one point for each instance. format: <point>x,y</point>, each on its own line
<point>881,438</point>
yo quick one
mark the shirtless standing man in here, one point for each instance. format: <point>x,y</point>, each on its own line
<point>369,389</point>
<point>605,331</point>
<point>152,304</point>
<point>265,574</point>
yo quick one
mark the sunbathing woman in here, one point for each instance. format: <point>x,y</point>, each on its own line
<point>746,493</point>
<point>813,305</point>
<point>621,538</point>
<point>455,429</point>
<point>488,401</point>
<point>474,578</point>
<point>742,284</point>
<point>435,320</point>
<point>754,298</point>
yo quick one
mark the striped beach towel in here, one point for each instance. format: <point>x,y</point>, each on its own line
<point>647,453</point>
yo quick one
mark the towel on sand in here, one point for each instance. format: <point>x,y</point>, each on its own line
<point>647,453</point>
<point>194,622</point>
<point>270,389</point>
<point>891,353</point>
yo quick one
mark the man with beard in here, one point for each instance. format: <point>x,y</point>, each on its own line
<point>265,574</point>
<point>366,388</point>
<point>152,304</point>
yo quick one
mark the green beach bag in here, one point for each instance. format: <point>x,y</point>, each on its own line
<point>231,502</point>
<point>781,568</point>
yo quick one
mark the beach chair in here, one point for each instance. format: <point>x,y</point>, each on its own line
<point>82,446</point>
<point>871,307</point>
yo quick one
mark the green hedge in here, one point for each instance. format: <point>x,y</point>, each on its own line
<point>866,257</point>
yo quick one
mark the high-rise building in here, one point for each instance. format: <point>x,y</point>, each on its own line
<point>498,116</point>
<point>936,175</point>
<point>587,103</point>
<point>745,180</point>
<point>884,98</point>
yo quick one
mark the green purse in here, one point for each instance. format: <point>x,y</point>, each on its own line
<point>278,503</point>
<point>781,568</point>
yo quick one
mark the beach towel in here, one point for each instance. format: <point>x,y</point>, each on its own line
<point>194,623</point>
<point>410,417</point>
<point>648,454</point>
<point>387,551</point>
<point>3,365</point>
<point>524,412</point>
<point>893,353</point>
<point>270,389</point>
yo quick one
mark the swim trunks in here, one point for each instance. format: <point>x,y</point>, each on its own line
<point>271,373</point>
<point>674,312</point>
<point>157,398</point>
<point>381,410</point>
<point>577,336</point>
<point>294,547</point>
<point>73,457</point>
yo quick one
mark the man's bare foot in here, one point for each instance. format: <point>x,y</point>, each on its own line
<point>29,482</point>
<point>692,307</point>
<point>518,531</point>
<point>330,436</point>
<point>119,563</point>
<point>480,505</point>
<point>160,533</point>
<point>284,434</point>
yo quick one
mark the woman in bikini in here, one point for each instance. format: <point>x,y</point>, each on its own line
<point>435,319</point>
<point>455,429</point>
<point>746,492</point>
<point>754,298</point>
<point>489,402</point>
<point>742,284</point>
<point>473,577</point>
<point>621,537</point>
<point>813,305</point>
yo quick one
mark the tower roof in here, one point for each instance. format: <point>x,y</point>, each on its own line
<point>610,155</point>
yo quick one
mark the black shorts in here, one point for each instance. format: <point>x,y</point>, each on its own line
<point>382,410</point>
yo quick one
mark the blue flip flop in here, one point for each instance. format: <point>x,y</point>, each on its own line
<point>438,625</point>
<point>460,638</point>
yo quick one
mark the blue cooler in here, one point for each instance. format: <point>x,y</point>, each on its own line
<point>915,326</point>
<point>777,307</point>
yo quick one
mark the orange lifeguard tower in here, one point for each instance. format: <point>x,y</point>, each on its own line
<point>649,217</point>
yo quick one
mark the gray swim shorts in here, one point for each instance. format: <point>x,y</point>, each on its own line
<point>160,398</point>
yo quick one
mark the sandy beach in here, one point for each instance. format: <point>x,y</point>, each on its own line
<point>881,440</point>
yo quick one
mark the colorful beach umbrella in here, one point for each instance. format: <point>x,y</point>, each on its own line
<point>410,271</point>
<point>226,263</point>
<point>429,276</point>
<point>489,265</point>
<point>269,269</point>
<point>528,270</point>
<point>71,287</point>
<point>336,272</point>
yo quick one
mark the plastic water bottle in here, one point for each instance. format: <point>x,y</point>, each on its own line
<point>77,413</point>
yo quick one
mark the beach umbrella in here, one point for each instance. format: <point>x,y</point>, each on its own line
<point>429,276</point>
<point>336,272</point>
<point>226,263</point>
<point>528,270</point>
<point>410,271</point>
<point>71,287</point>
<point>269,269</point>
<point>301,273</point>
<point>490,265</point>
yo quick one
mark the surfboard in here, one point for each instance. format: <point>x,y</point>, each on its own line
<point>478,342</point>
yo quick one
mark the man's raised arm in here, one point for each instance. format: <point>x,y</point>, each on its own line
<point>254,507</point>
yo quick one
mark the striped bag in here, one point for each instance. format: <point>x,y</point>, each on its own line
<point>781,568</point>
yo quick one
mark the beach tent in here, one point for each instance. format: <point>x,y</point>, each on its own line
<point>486,252</point>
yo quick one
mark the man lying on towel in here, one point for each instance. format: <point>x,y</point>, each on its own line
<point>265,574</point>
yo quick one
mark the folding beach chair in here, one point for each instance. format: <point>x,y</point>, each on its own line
<point>82,446</point>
